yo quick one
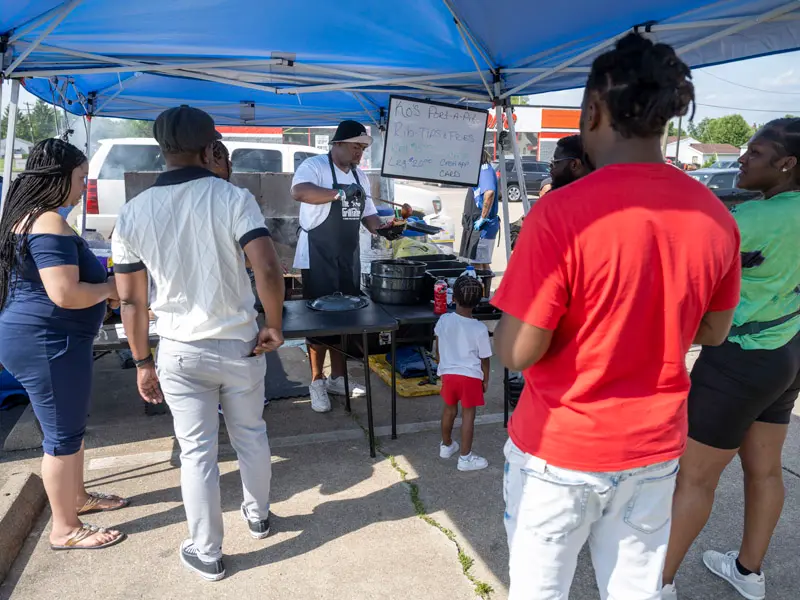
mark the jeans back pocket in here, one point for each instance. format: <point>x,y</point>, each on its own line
<point>650,507</point>
<point>552,508</point>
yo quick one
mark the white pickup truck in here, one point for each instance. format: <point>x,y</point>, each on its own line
<point>115,157</point>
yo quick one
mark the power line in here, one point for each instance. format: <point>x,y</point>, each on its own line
<point>747,87</point>
<point>784,111</point>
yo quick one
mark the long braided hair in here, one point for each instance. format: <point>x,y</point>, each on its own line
<point>43,186</point>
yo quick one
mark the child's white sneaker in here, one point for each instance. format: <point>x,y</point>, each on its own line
<point>472,462</point>
<point>448,451</point>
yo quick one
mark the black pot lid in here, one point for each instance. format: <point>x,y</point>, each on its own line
<point>337,302</point>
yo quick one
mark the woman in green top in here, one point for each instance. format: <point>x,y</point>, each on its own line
<point>743,392</point>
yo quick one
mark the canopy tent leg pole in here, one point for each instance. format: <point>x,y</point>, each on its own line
<point>86,189</point>
<point>11,134</point>
<point>501,157</point>
<point>526,205</point>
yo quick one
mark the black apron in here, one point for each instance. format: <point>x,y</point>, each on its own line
<point>470,237</point>
<point>333,247</point>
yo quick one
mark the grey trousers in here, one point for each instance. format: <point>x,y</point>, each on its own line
<point>195,378</point>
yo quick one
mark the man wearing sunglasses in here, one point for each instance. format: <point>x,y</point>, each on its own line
<point>569,164</point>
<point>565,168</point>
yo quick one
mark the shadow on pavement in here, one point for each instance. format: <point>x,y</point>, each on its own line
<point>472,505</point>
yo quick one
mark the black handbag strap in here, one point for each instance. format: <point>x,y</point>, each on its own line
<point>755,327</point>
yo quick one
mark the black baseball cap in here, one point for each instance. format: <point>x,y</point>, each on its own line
<point>351,131</point>
<point>184,129</point>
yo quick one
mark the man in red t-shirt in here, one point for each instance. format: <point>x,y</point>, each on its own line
<point>612,279</point>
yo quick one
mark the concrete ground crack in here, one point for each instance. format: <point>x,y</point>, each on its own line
<point>788,470</point>
<point>482,589</point>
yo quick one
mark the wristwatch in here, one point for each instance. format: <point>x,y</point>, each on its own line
<point>144,362</point>
<point>340,195</point>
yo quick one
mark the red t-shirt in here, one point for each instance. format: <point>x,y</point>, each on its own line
<point>621,265</point>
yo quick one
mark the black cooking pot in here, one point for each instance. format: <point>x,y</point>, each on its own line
<point>397,268</point>
<point>396,281</point>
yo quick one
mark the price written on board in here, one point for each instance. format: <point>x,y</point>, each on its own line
<point>433,141</point>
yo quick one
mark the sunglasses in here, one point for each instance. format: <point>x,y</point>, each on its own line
<point>555,161</point>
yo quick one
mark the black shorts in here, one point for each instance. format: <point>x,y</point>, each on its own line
<point>732,388</point>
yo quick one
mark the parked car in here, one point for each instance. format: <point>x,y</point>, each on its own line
<point>723,183</point>
<point>716,179</point>
<point>107,168</point>
<point>535,172</point>
<point>730,197</point>
<point>725,164</point>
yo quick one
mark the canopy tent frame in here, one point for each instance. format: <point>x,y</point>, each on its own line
<point>425,83</point>
<point>11,135</point>
<point>360,81</point>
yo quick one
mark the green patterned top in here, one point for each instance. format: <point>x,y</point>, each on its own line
<point>770,232</point>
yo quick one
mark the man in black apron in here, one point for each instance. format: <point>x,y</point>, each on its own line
<point>336,200</point>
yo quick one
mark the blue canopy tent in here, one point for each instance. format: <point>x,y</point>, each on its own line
<point>314,62</point>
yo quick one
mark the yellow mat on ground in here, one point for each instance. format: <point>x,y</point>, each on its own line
<point>408,388</point>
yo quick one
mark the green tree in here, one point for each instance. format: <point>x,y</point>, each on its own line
<point>672,130</point>
<point>699,131</point>
<point>23,126</point>
<point>730,129</point>
<point>35,122</point>
<point>45,121</point>
<point>134,128</point>
<point>519,100</point>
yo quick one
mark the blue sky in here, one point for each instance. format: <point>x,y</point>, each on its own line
<point>776,80</point>
<point>720,91</point>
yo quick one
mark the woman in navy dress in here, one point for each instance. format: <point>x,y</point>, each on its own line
<point>53,294</point>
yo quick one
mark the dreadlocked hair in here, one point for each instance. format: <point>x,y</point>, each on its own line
<point>43,186</point>
<point>785,134</point>
<point>468,291</point>
<point>643,84</point>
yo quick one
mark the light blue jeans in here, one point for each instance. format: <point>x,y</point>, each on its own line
<point>195,378</point>
<point>551,513</point>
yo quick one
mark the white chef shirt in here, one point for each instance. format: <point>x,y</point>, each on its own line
<point>317,170</point>
<point>188,231</point>
<point>462,344</point>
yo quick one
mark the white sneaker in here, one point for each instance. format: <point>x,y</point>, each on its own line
<point>752,587</point>
<point>335,386</point>
<point>668,592</point>
<point>319,396</point>
<point>472,462</point>
<point>448,451</point>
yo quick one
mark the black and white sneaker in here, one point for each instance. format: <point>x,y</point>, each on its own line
<point>258,529</point>
<point>213,571</point>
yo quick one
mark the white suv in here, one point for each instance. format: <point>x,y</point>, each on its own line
<point>115,157</point>
<point>107,168</point>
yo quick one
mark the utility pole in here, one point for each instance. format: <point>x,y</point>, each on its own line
<point>678,145</point>
<point>30,122</point>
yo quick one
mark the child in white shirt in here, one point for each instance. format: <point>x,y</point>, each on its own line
<point>463,351</point>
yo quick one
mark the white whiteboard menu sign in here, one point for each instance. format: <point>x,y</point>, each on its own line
<point>433,141</point>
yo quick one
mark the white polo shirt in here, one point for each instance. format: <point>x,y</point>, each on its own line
<point>317,170</point>
<point>188,231</point>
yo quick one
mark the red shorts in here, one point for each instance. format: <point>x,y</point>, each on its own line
<point>460,388</point>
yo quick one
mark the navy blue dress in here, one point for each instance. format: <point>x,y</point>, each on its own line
<point>48,349</point>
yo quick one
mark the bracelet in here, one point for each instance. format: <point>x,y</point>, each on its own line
<point>144,362</point>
